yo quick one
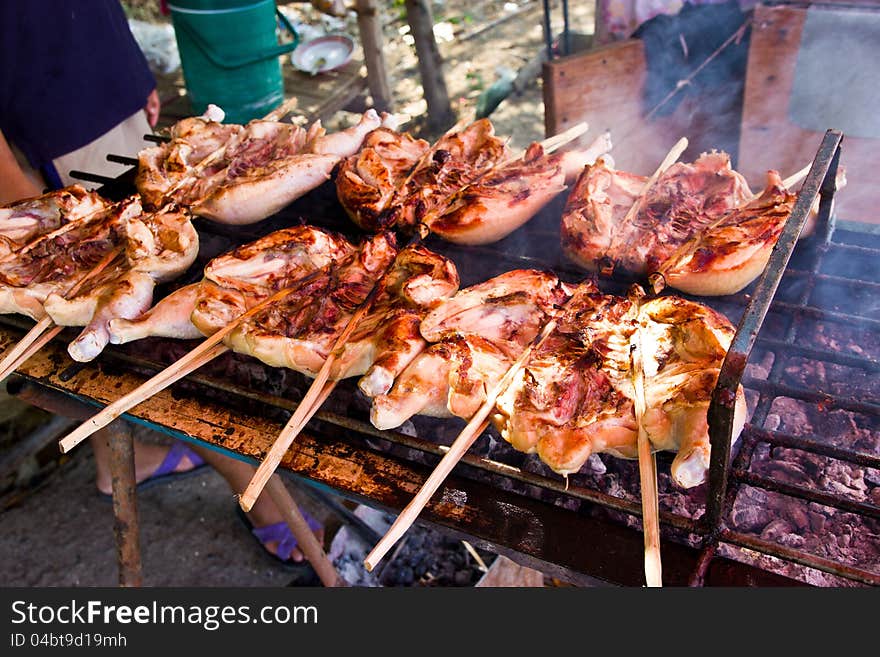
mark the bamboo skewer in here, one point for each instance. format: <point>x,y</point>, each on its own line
<point>300,529</point>
<point>670,159</point>
<point>647,471</point>
<point>317,394</point>
<point>796,177</point>
<point>32,342</point>
<point>204,353</point>
<point>457,450</point>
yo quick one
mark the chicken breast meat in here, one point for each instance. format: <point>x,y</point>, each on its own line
<point>235,282</point>
<point>396,180</point>
<point>690,213</point>
<point>299,332</point>
<point>475,336</point>
<point>509,195</point>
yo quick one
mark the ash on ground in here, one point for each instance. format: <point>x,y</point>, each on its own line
<point>423,557</point>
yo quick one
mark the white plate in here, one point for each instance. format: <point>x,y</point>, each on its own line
<point>323,54</point>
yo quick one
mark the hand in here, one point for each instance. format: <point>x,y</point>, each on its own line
<point>152,108</point>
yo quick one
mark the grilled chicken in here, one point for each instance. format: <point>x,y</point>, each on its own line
<point>690,207</point>
<point>576,394</point>
<point>24,221</point>
<point>161,168</point>
<point>477,334</point>
<point>511,194</point>
<point>271,165</point>
<point>235,282</point>
<point>148,248</point>
<point>467,188</point>
<point>396,180</point>
<point>156,248</point>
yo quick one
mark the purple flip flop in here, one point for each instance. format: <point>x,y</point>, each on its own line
<point>278,532</point>
<point>165,472</point>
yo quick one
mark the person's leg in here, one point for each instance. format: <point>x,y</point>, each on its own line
<point>147,459</point>
<point>238,475</point>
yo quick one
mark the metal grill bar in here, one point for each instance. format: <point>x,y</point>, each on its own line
<point>724,396</point>
<point>799,557</point>
<point>814,446</point>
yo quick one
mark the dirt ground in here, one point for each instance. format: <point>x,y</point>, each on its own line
<point>57,531</point>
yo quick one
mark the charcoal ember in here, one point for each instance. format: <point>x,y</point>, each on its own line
<point>750,512</point>
<point>863,341</point>
<point>759,365</point>
<point>848,480</point>
<point>831,378</point>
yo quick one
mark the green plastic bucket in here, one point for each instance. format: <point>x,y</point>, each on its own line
<point>229,53</point>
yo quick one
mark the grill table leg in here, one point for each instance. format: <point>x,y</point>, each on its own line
<point>125,517</point>
<point>119,438</point>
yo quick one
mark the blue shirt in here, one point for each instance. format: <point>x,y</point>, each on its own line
<point>69,72</point>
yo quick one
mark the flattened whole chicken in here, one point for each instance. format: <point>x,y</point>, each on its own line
<point>300,331</point>
<point>24,221</point>
<point>467,188</point>
<point>235,282</point>
<point>699,226</point>
<point>270,165</point>
<point>151,248</point>
<point>575,396</point>
<point>157,247</point>
<point>476,335</point>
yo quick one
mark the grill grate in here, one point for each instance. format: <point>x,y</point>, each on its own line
<point>811,297</point>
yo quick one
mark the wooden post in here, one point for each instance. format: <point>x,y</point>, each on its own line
<point>370,28</point>
<point>421,24</point>
<point>125,515</point>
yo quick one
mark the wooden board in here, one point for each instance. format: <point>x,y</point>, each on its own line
<point>769,140</point>
<point>604,87</point>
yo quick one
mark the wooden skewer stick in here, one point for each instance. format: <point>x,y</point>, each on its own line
<point>457,450</point>
<point>25,347</point>
<point>647,473</point>
<point>567,136</point>
<point>795,178</point>
<point>204,353</point>
<point>311,402</point>
<point>305,538</point>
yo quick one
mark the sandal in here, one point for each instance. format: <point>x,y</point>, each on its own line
<point>281,533</point>
<point>166,470</point>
